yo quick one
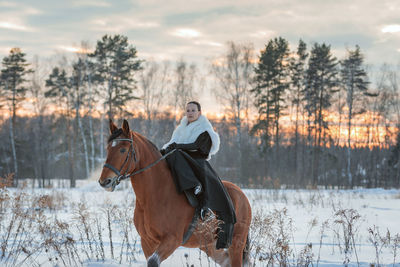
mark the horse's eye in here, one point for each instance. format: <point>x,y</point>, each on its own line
<point>122,150</point>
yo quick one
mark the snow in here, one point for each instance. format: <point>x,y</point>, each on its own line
<point>308,218</point>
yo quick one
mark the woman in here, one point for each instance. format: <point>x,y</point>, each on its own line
<point>195,142</point>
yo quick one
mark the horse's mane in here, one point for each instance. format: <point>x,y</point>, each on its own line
<point>155,148</point>
<point>151,143</point>
<point>114,135</point>
<point>119,131</point>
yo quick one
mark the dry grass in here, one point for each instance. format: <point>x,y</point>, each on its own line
<point>272,241</point>
<point>270,238</point>
<point>32,236</point>
<point>6,181</point>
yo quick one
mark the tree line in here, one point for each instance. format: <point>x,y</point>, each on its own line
<point>296,117</point>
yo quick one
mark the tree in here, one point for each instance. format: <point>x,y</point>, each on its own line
<point>321,83</point>
<point>154,81</point>
<point>77,83</point>
<point>355,81</point>
<point>297,75</point>
<point>59,88</point>
<point>271,83</point>
<point>184,85</point>
<point>233,75</point>
<point>83,55</point>
<point>115,63</point>
<point>40,129</point>
<point>15,67</point>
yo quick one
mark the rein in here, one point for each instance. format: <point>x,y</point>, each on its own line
<point>116,180</point>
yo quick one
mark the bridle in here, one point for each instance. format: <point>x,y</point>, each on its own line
<point>113,182</point>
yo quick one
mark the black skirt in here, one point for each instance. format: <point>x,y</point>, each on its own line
<point>188,172</point>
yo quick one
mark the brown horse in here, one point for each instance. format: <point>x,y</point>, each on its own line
<point>162,216</point>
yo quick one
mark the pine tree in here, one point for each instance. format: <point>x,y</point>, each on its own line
<point>355,81</point>
<point>78,80</point>
<point>272,81</point>
<point>71,91</point>
<point>59,88</point>
<point>297,68</point>
<point>58,85</point>
<point>13,74</point>
<point>115,63</point>
<point>321,83</point>
<point>15,68</point>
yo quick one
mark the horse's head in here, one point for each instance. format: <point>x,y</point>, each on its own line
<point>121,156</point>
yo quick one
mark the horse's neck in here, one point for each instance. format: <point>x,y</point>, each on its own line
<point>155,181</point>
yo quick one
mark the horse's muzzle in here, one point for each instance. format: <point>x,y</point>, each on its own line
<point>109,183</point>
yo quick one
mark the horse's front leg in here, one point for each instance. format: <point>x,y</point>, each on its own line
<point>166,247</point>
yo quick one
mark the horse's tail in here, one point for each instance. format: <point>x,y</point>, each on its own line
<point>246,252</point>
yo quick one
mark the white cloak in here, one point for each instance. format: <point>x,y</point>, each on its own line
<point>187,133</point>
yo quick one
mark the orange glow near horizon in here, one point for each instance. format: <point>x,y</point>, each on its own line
<point>367,129</point>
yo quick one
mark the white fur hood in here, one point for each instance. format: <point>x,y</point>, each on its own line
<point>187,133</point>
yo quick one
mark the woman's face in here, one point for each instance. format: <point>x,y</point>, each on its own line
<point>192,112</point>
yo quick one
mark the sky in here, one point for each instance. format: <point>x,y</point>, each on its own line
<point>198,31</point>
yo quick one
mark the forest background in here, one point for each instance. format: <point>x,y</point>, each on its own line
<point>294,115</point>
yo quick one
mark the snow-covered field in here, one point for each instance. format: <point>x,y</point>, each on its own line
<point>71,227</point>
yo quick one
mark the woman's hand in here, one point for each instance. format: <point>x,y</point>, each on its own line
<point>171,147</point>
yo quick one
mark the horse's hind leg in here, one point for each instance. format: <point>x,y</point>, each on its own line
<point>238,244</point>
<point>220,256</point>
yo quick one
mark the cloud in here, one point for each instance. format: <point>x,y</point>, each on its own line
<point>263,34</point>
<point>5,49</point>
<point>88,3</point>
<point>18,9</point>
<point>14,26</point>
<point>198,30</point>
<point>14,16</point>
<point>208,43</point>
<point>186,33</point>
<point>73,49</point>
<point>121,24</point>
<point>391,28</point>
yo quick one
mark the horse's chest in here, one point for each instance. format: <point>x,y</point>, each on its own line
<point>142,222</point>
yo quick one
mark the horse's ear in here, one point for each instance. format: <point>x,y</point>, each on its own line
<point>113,127</point>
<point>125,127</point>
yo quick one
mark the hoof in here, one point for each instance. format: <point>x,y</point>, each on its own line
<point>153,261</point>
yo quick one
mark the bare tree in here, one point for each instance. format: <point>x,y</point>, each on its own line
<point>154,81</point>
<point>90,96</point>
<point>39,103</point>
<point>184,90</point>
<point>233,74</point>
